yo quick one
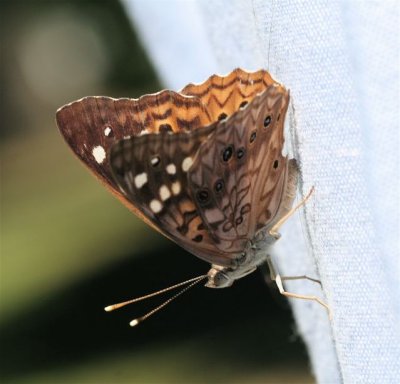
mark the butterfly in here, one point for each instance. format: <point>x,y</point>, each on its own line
<point>203,166</point>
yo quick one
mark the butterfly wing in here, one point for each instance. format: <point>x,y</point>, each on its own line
<point>97,128</point>
<point>151,171</point>
<point>224,95</point>
<point>239,173</point>
<point>92,125</point>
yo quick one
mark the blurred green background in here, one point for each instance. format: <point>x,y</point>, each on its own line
<point>68,248</point>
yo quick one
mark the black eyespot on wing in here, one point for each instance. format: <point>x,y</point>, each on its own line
<point>202,196</point>
<point>222,116</point>
<point>267,121</point>
<point>227,153</point>
<point>155,160</point>
<point>219,185</point>
<point>165,128</point>
<point>239,220</point>
<point>276,163</point>
<point>240,153</point>
<point>198,238</point>
<point>253,136</point>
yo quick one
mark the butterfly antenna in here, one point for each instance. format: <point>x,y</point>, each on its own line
<point>191,283</point>
<point>138,320</point>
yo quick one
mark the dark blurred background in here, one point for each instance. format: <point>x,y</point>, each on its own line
<point>68,248</point>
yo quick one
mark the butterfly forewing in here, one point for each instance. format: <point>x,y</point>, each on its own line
<point>239,173</point>
<point>92,125</point>
<point>151,171</point>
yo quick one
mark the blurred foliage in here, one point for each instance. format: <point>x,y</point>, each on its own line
<point>68,248</point>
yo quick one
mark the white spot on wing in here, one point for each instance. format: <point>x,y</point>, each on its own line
<point>171,169</point>
<point>165,193</point>
<point>155,206</point>
<point>107,131</point>
<point>155,161</point>
<point>186,164</point>
<point>99,154</point>
<point>140,180</point>
<point>176,188</point>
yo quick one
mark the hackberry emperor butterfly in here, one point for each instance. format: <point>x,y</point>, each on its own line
<point>203,166</point>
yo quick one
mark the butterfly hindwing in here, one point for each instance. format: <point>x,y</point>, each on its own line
<point>224,95</point>
<point>240,171</point>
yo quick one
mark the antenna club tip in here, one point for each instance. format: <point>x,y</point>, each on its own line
<point>109,308</point>
<point>134,322</point>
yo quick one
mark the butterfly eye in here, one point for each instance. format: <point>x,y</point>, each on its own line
<point>202,196</point>
<point>253,136</point>
<point>222,116</point>
<point>276,163</point>
<point>267,121</point>
<point>221,280</point>
<point>227,154</point>
<point>155,160</point>
<point>219,185</point>
<point>240,153</point>
<point>243,104</point>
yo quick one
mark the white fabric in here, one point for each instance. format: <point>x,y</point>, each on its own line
<point>340,60</point>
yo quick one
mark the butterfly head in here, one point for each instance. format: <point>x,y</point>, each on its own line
<point>223,277</point>
<point>218,277</point>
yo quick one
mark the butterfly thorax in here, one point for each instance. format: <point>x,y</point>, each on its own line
<point>254,254</point>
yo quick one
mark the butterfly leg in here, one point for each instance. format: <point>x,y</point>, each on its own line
<point>268,268</point>
<point>305,277</point>
<point>274,230</point>
<point>279,283</point>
